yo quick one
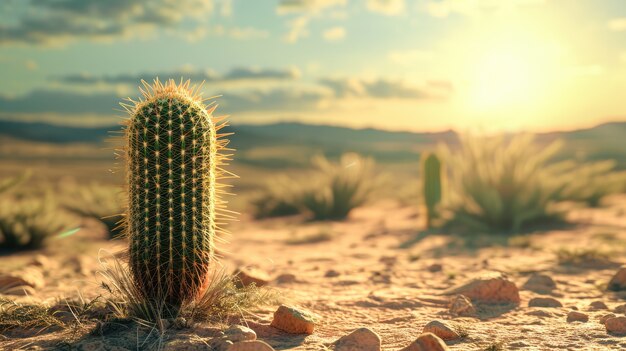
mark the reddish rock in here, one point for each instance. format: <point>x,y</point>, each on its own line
<point>362,339</point>
<point>616,325</point>
<point>442,330</point>
<point>575,316</point>
<point>618,282</point>
<point>427,342</point>
<point>544,302</point>
<point>462,306</point>
<point>292,320</point>
<point>249,276</point>
<point>490,289</point>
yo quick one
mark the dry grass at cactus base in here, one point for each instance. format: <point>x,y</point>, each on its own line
<point>500,184</point>
<point>220,300</point>
<point>331,192</point>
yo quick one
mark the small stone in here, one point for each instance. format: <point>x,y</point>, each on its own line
<point>616,325</point>
<point>598,305</point>
<point>618,282</point>
<point>236,333</point>
<point>442,330</point>
<point>331,273</point>
<point>362,339</point>
<point>462,306</point>
<point>435,267</point>
<point>220,344</point>
<point>620,309</point>
<point>292,320</point>
<point>249,276</point>
<point>427,342</point>
<point>286,278</point>
<point>540,313</point>
<point>250,345</point>
<point>603,319</point>
<point>540,283</point>
<point>494,288</point>
<point>544,302</point>
<point>575,316</point>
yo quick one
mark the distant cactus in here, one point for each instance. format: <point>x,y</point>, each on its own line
<point>431,179</point>
<point>173,162</point>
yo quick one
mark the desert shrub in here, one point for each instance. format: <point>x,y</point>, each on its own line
<point>27,223</point>
<point>344,186</point>
<point>590,183</point>
<point>500,185</point>
<point>277,200</point>
<point>330,193</point>
<point>96,201</point>
<point>507,184</point>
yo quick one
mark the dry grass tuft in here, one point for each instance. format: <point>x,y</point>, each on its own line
<point>15,315</point>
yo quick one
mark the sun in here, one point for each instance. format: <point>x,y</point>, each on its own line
<point>513,69</point>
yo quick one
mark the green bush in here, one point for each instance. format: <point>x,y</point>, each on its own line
<point>508,184</point>
<point>27,224</point>
<point>331,193</point>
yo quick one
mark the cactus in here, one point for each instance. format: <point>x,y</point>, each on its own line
<point>173,163</point>
<point>431,179</point>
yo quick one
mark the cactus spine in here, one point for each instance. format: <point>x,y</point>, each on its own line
<point>431,181</point>
<point>173,164</point>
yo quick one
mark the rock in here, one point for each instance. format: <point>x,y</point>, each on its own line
<point>435,267</point>
<point>540,313</point>
<point>292,320</point>
<point>331,273</point>
<point>236,333</point>
<point>249,276</point>
<point>618,282</point>
<point>286,278</point>
<point>540,283</point>
<point>251,345</point>
<point>427,342</point>
<point>575,316</point>
<point>220,344</point>
<point>442,330</point>
<point>21,282</point>
<point>44,263</point>
<point>603,319</point>
<point>544,302</point>
<point>616,325</point>
<point>494,288</point>
<point>620,309</point>
<point>462,306</point>
<point>598,305</point>
<point>362,339</point>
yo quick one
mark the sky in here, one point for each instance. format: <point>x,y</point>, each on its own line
<point>421,65</point>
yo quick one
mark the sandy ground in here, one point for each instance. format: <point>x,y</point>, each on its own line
<point>381,277</point>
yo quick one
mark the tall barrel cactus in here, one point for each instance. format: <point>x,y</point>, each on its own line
<point>173,163</point>
<point>431,181</point>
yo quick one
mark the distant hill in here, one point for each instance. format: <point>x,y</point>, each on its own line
<point>605,141</point>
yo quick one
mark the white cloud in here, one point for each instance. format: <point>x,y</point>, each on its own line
<point>443,8</point>
<point>386,7</point>
<point>335,34</point>
<point>308,6</point>
<point>617,24</point>
<point>298,28</point>
<point>409,57</point>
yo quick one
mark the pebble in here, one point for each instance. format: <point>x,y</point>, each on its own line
<point>427,342</point>
<point>618,282</point>
<point>603,319</point>
<point>442,330</point>
<point>462,306</point>
<point>575,316</point>
<point>495,288</point>
<point>616,325</point>
<point>236,333</point>
<point>331,273</point>
<point>544,302</point>
<point>598,305</point>
<point>251,345</point>
<point>540,283</point>
<point>292,320</point>
<point>249,276</point>
<point>362,339</point>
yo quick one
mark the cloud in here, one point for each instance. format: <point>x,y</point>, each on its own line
<point>409,57</point>
<point>335,34</point>
<point>307,6</point>
<point>54,21</point>
<point>298,28</point>
<point>385,89</point>
<point>107,104</point>
<point>444,8</point>
<point>237,74</point>
<point>617,24</point>
<point>386,7</point>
